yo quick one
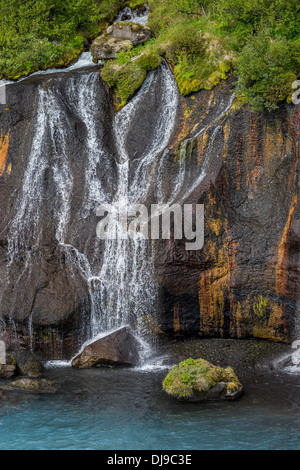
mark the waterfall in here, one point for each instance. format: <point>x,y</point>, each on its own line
<point>134,15</point>
<point>80,159</point>
<point>120,281</point>
<point>124,290</point>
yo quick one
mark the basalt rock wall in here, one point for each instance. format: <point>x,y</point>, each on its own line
<point>242,165</point>
<point>244,283</point>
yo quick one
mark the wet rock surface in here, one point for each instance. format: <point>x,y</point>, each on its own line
<point>243,355</point>
<point>119,348</point>
<point>27,385</point>
<point>27,363</point>
<point>3,396</point>
<point>41,283</point>
<point>7,371</point>
<point>243,284</point>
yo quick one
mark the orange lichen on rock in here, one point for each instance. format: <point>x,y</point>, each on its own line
<point>215,286</point>
<point>282,263</point>
<point>241,323</point>
<point>176,324</point>
<point>274,147</point>
<point>211,301</point>
<point>4,143</point>
<point>214,222</point>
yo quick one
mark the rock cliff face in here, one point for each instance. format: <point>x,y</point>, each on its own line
<point>244,282</point>
<point>243,166</point>
<point>41,298</point>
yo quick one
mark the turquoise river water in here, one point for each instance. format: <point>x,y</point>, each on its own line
<point>127,409</point>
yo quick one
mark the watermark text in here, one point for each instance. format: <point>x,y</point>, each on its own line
<point>161,222</point>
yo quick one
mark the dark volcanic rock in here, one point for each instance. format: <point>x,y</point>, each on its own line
<point>27,363</point>
<point>3,395</point>
<point>44,291</point>
<point>119,348</point>
<point>244,282</point>
<point>7,371</point>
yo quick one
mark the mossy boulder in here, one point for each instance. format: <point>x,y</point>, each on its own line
<point>117,37</point>
<point>124,80</point>
<point>197,380</point>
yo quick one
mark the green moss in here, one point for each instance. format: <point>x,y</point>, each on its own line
<point>149,60</point>
<point>239,102</point>
<point>135,27</point>
<point>12,361</point>
<point>135,3</point>
<point>48,335</point>
<point>260,306</point>
<point>125,79</point>
<point>232,387</point>
<point>195,377</point>
<point>185,150</point>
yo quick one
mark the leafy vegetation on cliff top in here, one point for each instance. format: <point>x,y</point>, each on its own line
<point>259,40</point>
<point>204,40</point>
<point>38,34</point>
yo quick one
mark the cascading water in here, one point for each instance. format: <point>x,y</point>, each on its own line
<point>136,15</point>
<point>130,168</point>
<point>126,289</point>
<point>121,286</point>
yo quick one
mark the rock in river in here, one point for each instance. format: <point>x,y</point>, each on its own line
<point>27,385</point>
<point>197,380</point>
<point>119,348</point>
<point>27,363</point>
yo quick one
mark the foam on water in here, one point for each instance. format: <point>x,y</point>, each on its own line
<point>134,15</point>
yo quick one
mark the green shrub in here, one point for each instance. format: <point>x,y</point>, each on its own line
<point>38,34</point>
<point>204,40</point>
<point>257,39</point>
<point>267,70</point>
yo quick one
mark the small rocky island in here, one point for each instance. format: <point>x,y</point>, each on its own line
<point>197,380</point>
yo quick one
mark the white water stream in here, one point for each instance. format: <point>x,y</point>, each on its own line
<point>121,286</point>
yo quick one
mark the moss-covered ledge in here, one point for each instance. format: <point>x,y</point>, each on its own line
<point>125,79</point>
